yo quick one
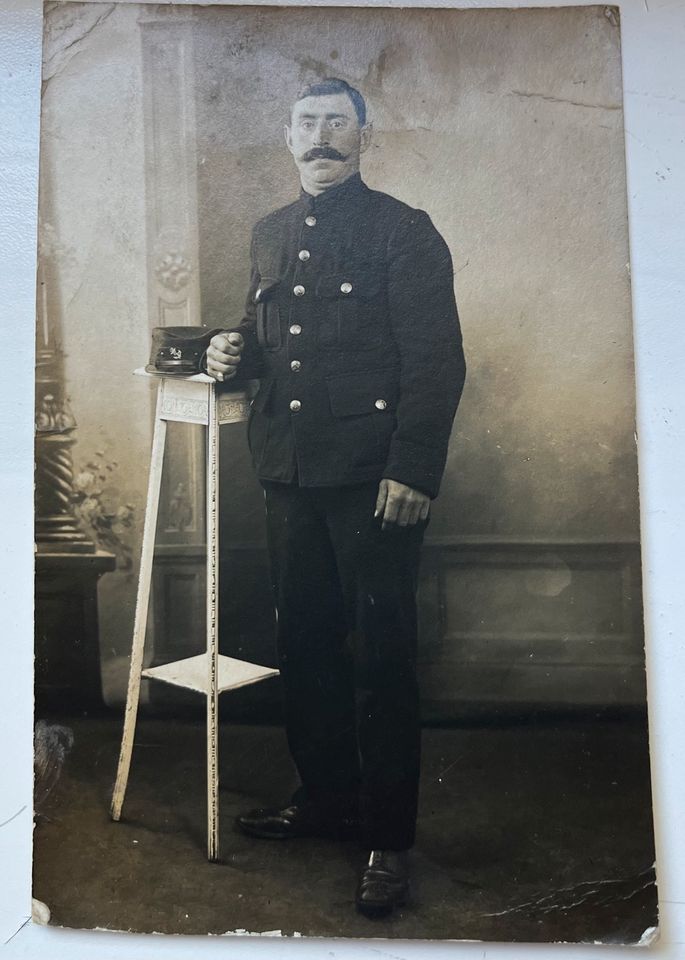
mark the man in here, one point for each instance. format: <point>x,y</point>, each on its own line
<point>352,329</point>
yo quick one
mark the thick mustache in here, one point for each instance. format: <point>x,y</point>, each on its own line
<point>323,153</point>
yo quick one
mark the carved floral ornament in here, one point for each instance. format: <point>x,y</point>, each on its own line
<point>173,270</point>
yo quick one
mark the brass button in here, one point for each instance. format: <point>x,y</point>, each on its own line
<point>310,221</point>
<point>295,406</point>
<point>295,364</point>
<point>304,254</point>
<point>298,290</point>
<point>381,404</point>
<point>346,287</point>
<point>296,329</point>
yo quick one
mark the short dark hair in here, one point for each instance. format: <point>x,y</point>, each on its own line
<point>332,85</point>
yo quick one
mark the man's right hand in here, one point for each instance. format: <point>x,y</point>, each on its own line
<point>223,355</point>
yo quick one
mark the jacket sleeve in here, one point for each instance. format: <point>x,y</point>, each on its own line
<point>250,366</point>
<point>251,359</point>
<point>425,324</point>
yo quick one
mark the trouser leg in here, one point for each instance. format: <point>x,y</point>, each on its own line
<point>314,655</point>
<point>378,573</point>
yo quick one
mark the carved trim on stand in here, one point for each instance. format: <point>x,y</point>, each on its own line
<point>184,411</point>
<point>185,401</point>
<point>233,409</point>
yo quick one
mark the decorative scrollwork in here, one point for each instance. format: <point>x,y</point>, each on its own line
<point>187,410</point>
<point>53,416</point>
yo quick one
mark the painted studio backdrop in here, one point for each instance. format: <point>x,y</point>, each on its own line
<point>162,144</point>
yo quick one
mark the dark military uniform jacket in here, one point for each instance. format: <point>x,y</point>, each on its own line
<point>351,327</point>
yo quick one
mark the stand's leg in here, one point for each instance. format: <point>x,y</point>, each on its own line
<point>142,604</point>
<point>212,621</point>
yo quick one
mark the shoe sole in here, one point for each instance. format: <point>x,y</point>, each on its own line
<point>377,911</point>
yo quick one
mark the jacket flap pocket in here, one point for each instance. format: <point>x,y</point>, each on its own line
<point>352,394</point>
<point>267,287</point>
<point>263,394</point>
<point>351,284</point>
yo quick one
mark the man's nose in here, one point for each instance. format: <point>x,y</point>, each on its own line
<point>322,134</point>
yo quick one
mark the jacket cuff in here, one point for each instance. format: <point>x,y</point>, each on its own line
<point>416,466</point>
<point>250,366</point>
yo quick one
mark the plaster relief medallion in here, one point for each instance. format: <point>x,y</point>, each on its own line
<point>172,265</point>
<point>173,270</point>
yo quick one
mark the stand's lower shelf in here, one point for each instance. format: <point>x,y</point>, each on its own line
<point>192,673</point>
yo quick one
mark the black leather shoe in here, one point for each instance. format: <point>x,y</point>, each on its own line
<point>298,820</point>
<point>384,885</point>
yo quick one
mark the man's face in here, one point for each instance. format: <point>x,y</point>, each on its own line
<point>326,140</point>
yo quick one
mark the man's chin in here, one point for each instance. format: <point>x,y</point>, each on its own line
<point>327,172</point>
<point>322,174</point>
<point>324,168</point>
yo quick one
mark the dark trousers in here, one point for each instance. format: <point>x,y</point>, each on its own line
<point>346,603</point>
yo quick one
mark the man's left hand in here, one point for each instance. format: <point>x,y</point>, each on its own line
<point>400,505</point>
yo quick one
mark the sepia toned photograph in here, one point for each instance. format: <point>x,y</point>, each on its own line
<point>339,626</point>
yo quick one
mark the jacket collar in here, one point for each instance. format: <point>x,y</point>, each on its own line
<point>354,186</point>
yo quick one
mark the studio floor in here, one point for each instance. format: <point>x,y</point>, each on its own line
<point>528,831</point>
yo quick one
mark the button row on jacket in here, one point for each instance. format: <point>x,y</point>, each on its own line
<point>304,254</point>
<point>300,291</point>
<point>296,405</point>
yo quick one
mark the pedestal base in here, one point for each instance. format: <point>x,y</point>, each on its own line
<point>67,652</point>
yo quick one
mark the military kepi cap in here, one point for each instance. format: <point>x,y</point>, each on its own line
<point>179,350</point>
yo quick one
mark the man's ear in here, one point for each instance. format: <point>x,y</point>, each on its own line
<point>365,140</point>
<point>288,137</point>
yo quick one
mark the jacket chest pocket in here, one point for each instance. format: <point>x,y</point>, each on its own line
<point>352,310</point>
<point>268,314</point>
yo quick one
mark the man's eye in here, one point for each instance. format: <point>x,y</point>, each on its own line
<point>306,124</point>
<point>337,124</point>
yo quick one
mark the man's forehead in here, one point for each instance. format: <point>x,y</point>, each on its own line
<point>335,103</point>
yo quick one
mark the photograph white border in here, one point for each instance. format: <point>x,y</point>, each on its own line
<point>652,34</point>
